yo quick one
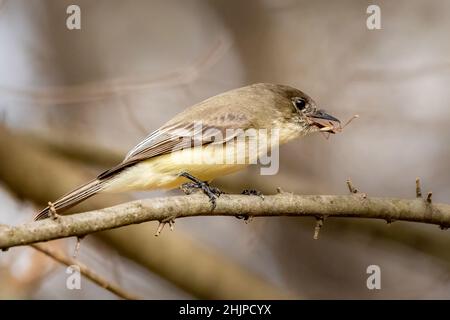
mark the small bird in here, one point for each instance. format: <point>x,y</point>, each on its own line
<point>163,160</point>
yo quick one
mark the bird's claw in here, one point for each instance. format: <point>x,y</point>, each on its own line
<point>253,192</point>
<point>212,192</point>
<point>244,217</point>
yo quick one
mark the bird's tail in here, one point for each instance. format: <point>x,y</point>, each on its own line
<point>72,198</point>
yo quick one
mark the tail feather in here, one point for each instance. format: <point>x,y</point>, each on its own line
<point>73,198</point>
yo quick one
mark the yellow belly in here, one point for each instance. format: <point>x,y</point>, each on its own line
<point>162,172</point>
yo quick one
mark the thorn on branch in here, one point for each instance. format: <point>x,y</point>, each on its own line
<point>171,225</point>
<point>418,189</point>
<point>77,247</point>
<point>160,228</point>
<point>280,191</point>
<point>429,197</point>
<point>161,225</point>
<point>351,188</point>
<point>319,224</point>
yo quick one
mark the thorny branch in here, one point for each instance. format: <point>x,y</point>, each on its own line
<point>281,204</point>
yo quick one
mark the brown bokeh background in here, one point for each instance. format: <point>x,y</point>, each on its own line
<point>84,97</point>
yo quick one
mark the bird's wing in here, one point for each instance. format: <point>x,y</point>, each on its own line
<point>172,138</point>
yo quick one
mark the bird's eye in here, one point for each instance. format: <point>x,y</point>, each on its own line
<point>300,103</point>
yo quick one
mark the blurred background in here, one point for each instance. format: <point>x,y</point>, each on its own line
<point>72,102</point>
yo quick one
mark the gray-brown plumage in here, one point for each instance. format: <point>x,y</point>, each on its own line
<point>151,165</point>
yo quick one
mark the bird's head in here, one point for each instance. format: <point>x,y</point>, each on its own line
<point>298,107</point>
<point>311,117</point>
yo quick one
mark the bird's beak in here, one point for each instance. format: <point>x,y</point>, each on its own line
<point>324,121</point>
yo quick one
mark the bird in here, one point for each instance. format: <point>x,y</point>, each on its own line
<point>164,159</point>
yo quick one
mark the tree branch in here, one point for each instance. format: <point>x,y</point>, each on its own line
<point>282,204</point>
<point>84,270</point>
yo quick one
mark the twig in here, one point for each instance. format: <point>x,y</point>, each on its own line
<point>77,248</point>
<point>282,204</point>
<point>160,228</point>
<point>353,190</point>
<point>418,189</point>
<point>350,186</point>
<point>319,224</point>
<point>429,196</point>
<point>163,223</point>
<point>84,270</point>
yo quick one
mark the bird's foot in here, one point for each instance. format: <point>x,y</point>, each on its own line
<point>212,192</point>
<point>249,192</point>
<point>253,192</point>
<point>245,217</point>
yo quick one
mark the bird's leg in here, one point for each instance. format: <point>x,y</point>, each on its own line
<point>212,192</point>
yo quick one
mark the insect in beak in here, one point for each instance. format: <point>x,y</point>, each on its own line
<point>327,123</point>
<point>324,121</point>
